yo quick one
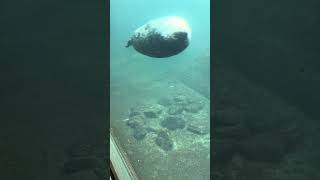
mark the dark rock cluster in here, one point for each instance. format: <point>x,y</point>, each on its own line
<point>164,141</point>
<point>169,113</point>
<point>200,130</point>
<point>136,122</point>
<point>179,103</point>
<point>173,110</point>
<point>173,123</point>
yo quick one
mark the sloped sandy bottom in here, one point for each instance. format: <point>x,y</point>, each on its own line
<point>190,156</point>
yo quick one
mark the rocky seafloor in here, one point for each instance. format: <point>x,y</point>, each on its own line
<point>167,135</point>
<point>169,114</point>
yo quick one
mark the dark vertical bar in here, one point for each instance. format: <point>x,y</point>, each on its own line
<point>266,84</point>
<point>53,94</point>
<point>108,87</point>
<point>212,85</point>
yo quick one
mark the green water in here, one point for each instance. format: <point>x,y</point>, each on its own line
<point>140,82</point>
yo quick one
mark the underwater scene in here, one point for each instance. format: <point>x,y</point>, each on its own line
<point>160,87</point>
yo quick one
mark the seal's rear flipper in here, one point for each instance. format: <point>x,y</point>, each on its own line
<point>129,43</point>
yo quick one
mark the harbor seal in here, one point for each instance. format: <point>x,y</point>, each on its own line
<point>162,37</point>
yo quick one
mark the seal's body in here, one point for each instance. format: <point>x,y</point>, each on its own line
<point>163,37</point>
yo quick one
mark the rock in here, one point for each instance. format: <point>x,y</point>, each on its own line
<point>180,100</point>
<point>163,141</point>
<point>133,123</point>
<point>134,113</point>
<point>193,106</point>
<point>173,123</point>
<point>149,111</point>
<point>174,110</point>
<point>150,114</point>
<point>152,130</point>
<point>165,101</point>
<point>140,133</point>
<point>200,130</point>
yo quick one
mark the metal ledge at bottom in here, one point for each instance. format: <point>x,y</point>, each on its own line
<point>120,166</point>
